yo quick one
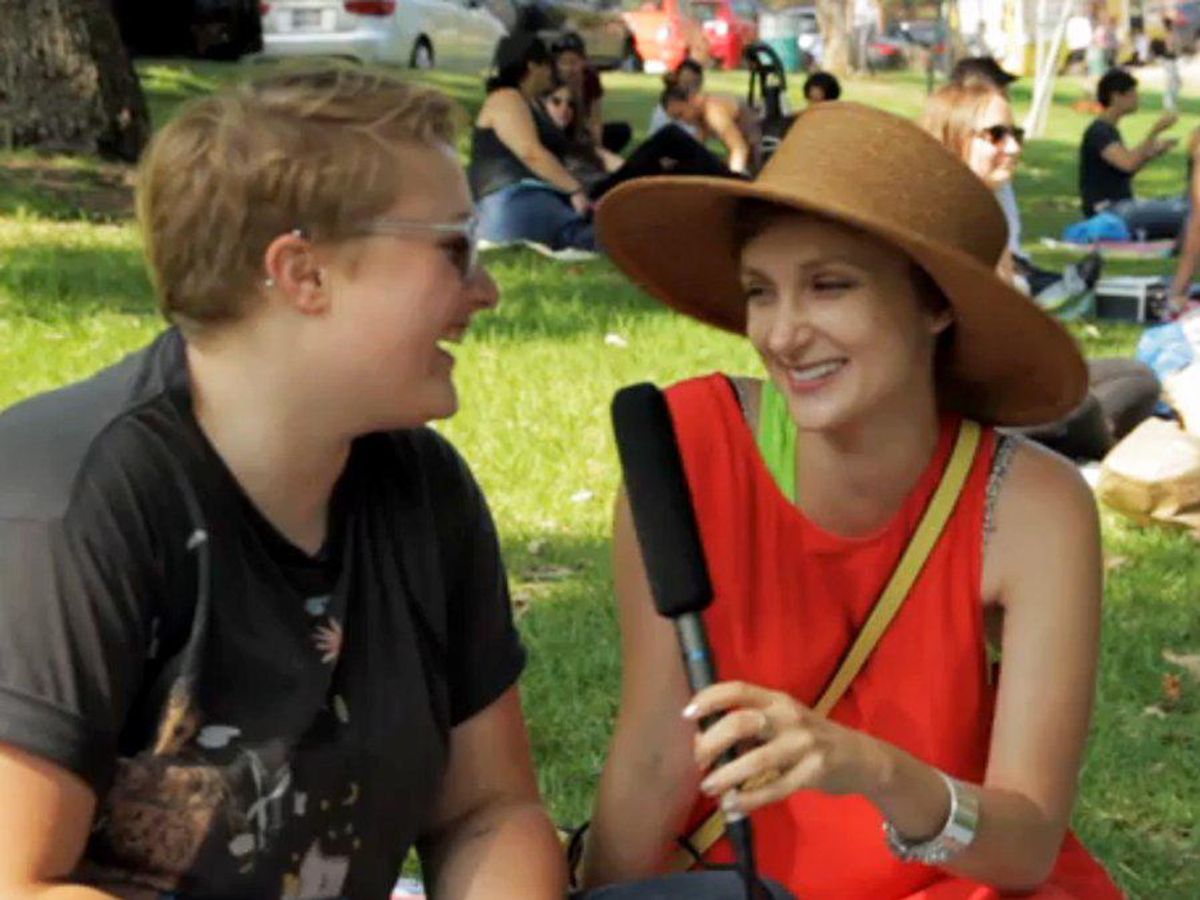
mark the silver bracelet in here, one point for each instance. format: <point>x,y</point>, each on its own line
<point>956,835</point>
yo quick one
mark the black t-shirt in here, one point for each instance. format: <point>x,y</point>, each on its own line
<point>256,722</point>
<point>1099,180</point>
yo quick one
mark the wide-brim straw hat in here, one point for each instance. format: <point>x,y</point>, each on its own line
<point>1008,362</point>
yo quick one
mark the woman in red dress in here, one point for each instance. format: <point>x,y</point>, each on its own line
<point>861,266</point>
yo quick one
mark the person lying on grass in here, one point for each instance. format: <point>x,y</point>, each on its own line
<point>863,272</point>
<point>255,635</point>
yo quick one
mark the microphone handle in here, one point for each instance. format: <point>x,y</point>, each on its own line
<point>701,673</point>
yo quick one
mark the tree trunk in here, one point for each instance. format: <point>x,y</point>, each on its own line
<point>833,16</point>
<point>66,82</point>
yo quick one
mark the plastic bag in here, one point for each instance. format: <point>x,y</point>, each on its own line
<point>1100,227</point>
<point>1153,475</point>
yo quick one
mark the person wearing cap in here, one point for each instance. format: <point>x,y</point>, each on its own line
<point>975,121</point>
<point>893,352</point>
<point>983,73</point>
<point>986,72</point>
<point>522,187</point>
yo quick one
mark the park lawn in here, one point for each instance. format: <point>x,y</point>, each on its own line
<point>536,378</point>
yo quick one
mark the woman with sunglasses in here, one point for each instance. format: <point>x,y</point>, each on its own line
<point>255,637</point>
<point>975,121</point>
<point>518,172</point>
<point>668,150</point>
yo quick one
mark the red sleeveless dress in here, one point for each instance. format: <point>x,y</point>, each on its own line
<point>789,599</point>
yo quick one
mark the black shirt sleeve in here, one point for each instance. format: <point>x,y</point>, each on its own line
<point>484,652</point>
<point>1101,135</point>
<point>73,634</point>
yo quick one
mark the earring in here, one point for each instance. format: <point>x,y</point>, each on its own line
<point>268,282</point>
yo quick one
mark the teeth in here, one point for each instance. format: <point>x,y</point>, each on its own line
<point>812,373</point>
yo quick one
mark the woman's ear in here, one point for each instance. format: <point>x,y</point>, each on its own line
<point>294,274</point>
<point>940,319</point>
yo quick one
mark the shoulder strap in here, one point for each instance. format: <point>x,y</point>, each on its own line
<point>924,539</point>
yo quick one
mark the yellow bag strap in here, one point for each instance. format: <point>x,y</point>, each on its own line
<point>924,539</point>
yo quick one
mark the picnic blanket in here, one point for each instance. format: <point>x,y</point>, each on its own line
<point>1116,249</point>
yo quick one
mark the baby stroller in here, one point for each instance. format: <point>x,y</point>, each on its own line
<point>768,95</point>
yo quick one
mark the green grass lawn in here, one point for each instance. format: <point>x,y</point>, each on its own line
<point>536,378</point>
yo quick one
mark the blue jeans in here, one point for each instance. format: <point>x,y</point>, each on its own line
<point>527,212</point>
<point>1152,219</point>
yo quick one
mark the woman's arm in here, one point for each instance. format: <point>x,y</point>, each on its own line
<point>45,818</point>
<point>507,113</point>
<point>1044,560</point>
<point>721,122</point>
<point>649,780</point>
<point>491,839</point>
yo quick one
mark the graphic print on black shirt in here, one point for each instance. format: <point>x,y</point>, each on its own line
<point>287,737</point>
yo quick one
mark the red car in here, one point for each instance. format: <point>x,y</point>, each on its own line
<point>729,25</point>
<point>666,33</point>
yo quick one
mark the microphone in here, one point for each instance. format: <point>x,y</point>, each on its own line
<point>669,537</point>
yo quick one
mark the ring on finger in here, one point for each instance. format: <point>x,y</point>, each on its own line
<point>765,731</point>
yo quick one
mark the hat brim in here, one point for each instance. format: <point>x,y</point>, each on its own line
<point>1009,363</point>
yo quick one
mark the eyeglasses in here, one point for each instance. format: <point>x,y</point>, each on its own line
<point>463,253</point>
<point>998,134</point>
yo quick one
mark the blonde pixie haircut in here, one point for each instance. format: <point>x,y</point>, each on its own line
<point>318,149</point>
<point>952,112</point>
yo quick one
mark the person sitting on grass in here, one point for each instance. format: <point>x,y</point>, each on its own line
<point>572,66</point>
<point>667,151</point>
<point>255,633</point>
<point>730,121</point>
<point>1107,166</point>
<point>518,175</point>
<point>917,768</point>
<point>975,122</point>
<point>688,75</point>
<point>821,87</point>
<point>983,72</point>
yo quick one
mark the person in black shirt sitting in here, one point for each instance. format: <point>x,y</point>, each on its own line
<point>255,633</point>
<point>1107,166</point>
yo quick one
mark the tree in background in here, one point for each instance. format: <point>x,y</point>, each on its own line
<point>835,18</point>
<point>66,81</point>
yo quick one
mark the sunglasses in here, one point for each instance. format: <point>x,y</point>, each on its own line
<point>998,134</point>
<point>458,240</point>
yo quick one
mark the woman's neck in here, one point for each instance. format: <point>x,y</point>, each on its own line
<point>269,439</point>
<point>852,480</point>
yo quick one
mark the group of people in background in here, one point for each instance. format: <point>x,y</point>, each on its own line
<point>542,152</point>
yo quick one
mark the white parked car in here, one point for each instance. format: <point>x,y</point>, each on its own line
<point>448,34</point>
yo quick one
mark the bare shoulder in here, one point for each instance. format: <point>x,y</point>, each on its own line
<point>500,102</point>
<point>1045,522</point>
<point>1043,483</point>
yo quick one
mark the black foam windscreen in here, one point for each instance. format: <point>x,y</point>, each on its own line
<point>661,501</point>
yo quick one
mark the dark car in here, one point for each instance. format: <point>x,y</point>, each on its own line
<point>216,29</point>
<point>598,22</point>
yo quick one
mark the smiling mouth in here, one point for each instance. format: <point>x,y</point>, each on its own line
<point>810,374</point>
